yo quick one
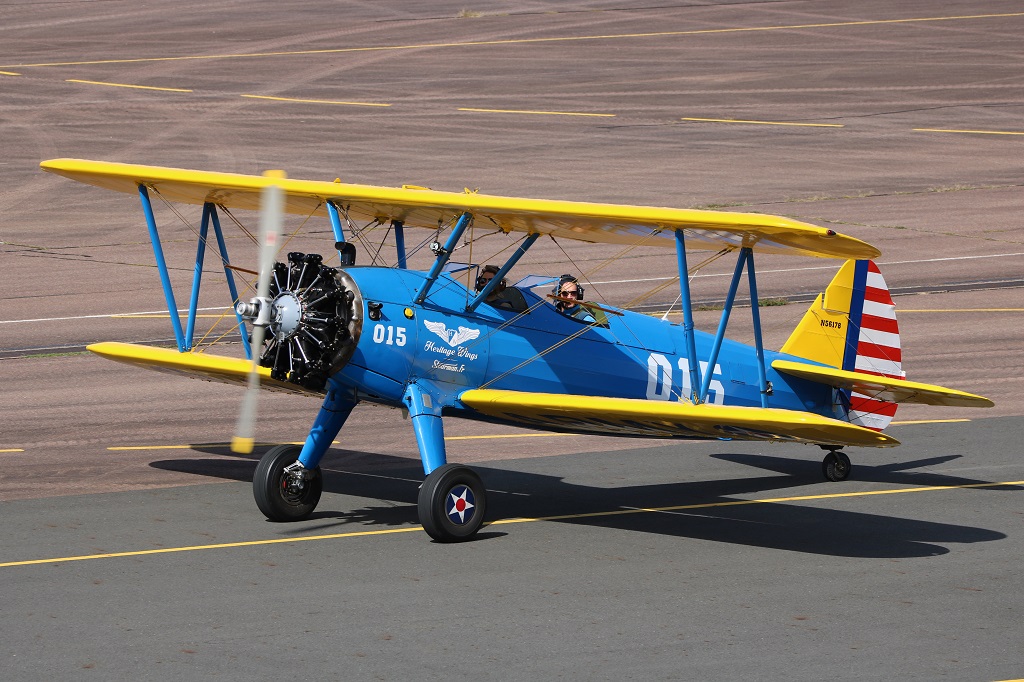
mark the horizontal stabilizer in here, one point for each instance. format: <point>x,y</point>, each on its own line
<point>882,388</point>
<point>662,419</point>
<point>204,366</point>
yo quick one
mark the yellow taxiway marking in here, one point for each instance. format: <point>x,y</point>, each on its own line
<point>126,85</point>
<point>973,132</point>
<point>13,450</point>
<point>9,73</point>
<point>502,522</point>
<point>194,446</point>
<point>524,41</point>
<point>541,113</point>
<point>317,101</point>
<point>765,123</point>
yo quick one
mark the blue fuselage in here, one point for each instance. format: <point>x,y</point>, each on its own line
<point>535,348</point>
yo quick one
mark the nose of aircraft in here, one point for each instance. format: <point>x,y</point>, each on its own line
<point>313,316</point>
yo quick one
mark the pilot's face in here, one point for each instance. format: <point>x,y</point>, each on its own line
<point>570,290</point>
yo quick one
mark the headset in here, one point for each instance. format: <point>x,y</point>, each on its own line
<point>557,291</point>
<point>481,281</point>
<point>565,279</point>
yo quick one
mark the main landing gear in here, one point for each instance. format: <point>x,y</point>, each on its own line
<point>283,488</point>
<point>836,465</point>
<point>452,503</point>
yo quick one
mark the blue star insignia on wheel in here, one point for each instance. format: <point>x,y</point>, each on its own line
<point>460,504</point>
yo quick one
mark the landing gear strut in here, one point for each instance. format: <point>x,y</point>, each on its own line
<point>836,466</point>
<point>452,503</point>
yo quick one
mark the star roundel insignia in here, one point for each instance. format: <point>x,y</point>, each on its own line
<point>460,504</point>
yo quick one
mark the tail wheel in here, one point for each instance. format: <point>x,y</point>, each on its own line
<point>836,466</point>
<point>452,503</point>
<point>283,492</point>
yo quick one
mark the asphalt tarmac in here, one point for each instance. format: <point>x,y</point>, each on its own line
<point>132,548</point>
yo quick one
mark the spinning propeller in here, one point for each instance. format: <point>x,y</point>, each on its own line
<point>271,210</point>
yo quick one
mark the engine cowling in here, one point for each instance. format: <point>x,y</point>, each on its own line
<point>313,321</point>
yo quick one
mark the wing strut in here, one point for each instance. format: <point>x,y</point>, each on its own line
<point>443,254</point>
<point>746,259</point>
<point>400,242</point>
<point>161,265</point>
<point>230,276</point>
<point>185,338</point>
<point>684,290</point>
<point>509,264</point>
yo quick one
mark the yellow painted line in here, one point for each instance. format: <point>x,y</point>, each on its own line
<point>541,113</point>
<point>740,503</point>
<point>195,446</point>
<point>524,41</point>
<point>126,85</point>
<point>973,132</point>
<point>930,421</point>
<point>224,545</point>
<point>765,123</point>
<point>502,522</point>
<point>317,101</point>
<point>9,73</point>
<point>12,450</point>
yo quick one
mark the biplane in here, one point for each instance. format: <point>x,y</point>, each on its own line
<point>441,343</point>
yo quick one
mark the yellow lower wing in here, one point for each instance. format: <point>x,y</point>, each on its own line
<point>883,388</point>
<point>658,419</point>
<point>196,365</point>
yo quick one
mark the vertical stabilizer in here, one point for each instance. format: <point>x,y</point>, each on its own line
<point>852,326</point>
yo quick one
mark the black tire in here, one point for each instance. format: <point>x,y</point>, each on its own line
<point>452,503</point>
<point>836,466</point>
<point>275,497</point>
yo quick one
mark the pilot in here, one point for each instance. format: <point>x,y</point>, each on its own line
<point>497,296</point>
<point>569,287</point>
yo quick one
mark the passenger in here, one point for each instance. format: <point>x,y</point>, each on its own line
<point>569,287</point>
<point>497,297</point>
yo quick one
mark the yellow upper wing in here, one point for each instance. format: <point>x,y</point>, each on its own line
<point>631,417</point>
<point>589,222</point>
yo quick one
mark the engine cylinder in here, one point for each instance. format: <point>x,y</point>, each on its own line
<point>314,321</point>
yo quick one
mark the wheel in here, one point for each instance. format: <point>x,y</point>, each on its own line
<point>281,496</point>
<point>836,466</point>
<point>452,503</point>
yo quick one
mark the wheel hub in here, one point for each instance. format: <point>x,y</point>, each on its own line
<point>461,505</point>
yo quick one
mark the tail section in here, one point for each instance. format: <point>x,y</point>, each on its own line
<point>852,326</point>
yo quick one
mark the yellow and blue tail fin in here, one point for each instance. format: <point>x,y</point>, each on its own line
<point>852,327</point>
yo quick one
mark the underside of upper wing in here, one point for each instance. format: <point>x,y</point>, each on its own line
<point>659,419</point>
<point>881,387</point>
<point>418,207</point>
<point>204,366</point>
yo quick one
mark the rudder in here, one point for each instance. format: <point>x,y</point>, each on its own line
<point>852,326</point>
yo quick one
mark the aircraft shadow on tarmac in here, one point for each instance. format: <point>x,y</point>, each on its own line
<point>392,484</point>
